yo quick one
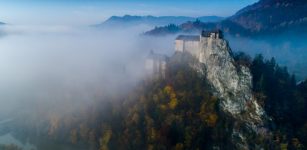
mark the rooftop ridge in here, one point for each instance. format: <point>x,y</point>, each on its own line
<point>216,33</point>
<point>209,33</point>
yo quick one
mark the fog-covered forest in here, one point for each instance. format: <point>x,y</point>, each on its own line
<point>101,75</point>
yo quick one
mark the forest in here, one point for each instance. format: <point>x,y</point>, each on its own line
<point>178,111</point>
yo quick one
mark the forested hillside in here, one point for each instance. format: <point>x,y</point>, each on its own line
<point>265,17</point>
<point>178,112</point>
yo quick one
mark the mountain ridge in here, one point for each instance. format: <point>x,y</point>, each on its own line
<point>265,17</point>
<point>129,20</point>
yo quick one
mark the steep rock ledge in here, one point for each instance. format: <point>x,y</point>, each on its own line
<point>233,86</point>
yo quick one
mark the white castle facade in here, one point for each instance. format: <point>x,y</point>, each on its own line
<point>155,64</point>
<point>193,43</point>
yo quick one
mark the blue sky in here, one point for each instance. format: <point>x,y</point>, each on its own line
<point>63,12</point>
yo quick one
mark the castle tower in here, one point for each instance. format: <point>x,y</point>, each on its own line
<point>155,64</point>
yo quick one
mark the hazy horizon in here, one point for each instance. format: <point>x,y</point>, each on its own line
<point>80,13</point>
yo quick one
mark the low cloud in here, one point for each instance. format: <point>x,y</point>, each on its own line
<point>48,65</point>
<point>287,49</point>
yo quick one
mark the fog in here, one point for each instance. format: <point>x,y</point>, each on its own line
<point>44,66</point>
<point>51,72</point>
<point>288,49</point>
<point>57,72</point>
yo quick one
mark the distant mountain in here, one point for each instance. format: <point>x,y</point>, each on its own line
<point>263,17</point>
<point>127,20</point>
<point>273,16</point>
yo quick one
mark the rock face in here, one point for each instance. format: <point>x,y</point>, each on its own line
<point>232,84</point>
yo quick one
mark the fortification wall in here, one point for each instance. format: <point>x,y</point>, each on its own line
<point>192,47</point>
<point>179,45</point>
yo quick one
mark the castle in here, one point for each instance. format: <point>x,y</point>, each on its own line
<point>155,64</point>
<point>231,83</point>
<point>192,43</point>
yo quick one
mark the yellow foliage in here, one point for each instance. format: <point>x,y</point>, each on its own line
<point>149,121</point>
<point>208,113</point>
<point>179,146</point>
<point>296,143</point>
<point>168,89</point>
<point>173,103</point>
<point>150,147</point>
<point>172,95</point>
<point>73,136</point>
<point>104,140</point>
<point>208,117</point>
<point>156,98</point>
<point>283,146</point>
<point>153,134</point>
<point>211,120</point>
<point>163,107</point>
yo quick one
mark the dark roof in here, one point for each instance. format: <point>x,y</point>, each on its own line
<point>207,33</point>
<point>188,37</point>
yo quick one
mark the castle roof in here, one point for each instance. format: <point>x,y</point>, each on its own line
<point>188,37</point>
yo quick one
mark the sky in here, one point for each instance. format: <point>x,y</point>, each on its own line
<point>85,12</point>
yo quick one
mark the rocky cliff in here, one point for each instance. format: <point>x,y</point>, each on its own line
<point>232,84</point>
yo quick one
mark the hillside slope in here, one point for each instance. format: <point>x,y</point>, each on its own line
<point>273,16</point>
<point>180,111</point>
<point>262,18</point>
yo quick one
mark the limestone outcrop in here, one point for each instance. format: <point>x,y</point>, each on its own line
<point>232,84</point>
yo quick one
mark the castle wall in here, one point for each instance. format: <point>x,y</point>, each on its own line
<point>191,47</point>
<point>155,68</point>
<point>163,68</point>
<point>149,66</point>
<point>179,45</point>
